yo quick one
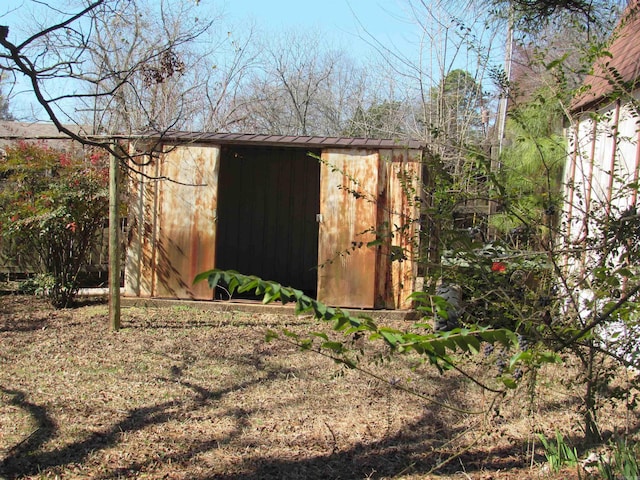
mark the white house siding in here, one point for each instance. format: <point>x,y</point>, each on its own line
<point>600,180</point>
<point>602,166</point>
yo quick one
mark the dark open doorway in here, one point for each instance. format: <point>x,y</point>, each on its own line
<point>268,199</point>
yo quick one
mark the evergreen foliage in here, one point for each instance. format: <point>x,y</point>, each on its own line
<point>531,168</point>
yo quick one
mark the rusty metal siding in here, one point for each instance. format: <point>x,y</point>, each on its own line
<point>384,282</point>
<point>397,220</point>
<point>403,204</point>
<point>186,224</point>
<point>139,268</point>
<point>348,185</point>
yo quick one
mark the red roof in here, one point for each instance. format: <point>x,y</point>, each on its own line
<point>621,70</point>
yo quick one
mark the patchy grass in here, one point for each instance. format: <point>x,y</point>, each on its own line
<point>181,393</point>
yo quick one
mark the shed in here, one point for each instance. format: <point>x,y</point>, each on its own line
<point>604,140</point>
<point>335,217</point>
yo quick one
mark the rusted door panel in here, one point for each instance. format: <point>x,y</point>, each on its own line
<point>403,174</point>
<point>139,263</point>
<point>348,188</point>
<point>384,283</point>
<point>398,227</point>
<point>185,238</point>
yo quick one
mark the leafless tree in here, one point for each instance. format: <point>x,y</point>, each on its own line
<point>5,112</point>
<point>450,37</point>
<point>143,65</point>
<point>219,105</point>
<point>126,63</point>
<point>303,87</point>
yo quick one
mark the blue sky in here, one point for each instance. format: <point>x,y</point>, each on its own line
<point>341,19</point>
<point>333,15</point>
<point>330,14</point>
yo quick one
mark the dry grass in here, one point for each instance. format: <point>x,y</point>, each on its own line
<point>181,393</point>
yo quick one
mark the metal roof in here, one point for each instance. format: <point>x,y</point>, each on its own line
<point>283,140</point>
<point>621,70</point>
<point>46,131</point>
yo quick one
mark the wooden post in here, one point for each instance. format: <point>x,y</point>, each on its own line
<point>114,244</point>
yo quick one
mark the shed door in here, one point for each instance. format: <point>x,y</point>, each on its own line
<point>348,192</point>
<point>267,210</point>
<point>186,221</point>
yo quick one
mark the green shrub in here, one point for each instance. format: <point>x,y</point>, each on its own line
<point>52,206</point>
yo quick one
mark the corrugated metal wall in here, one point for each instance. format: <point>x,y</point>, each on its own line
<point>142,209</point>
<point>266,200</point>
<point>172,224</point>
<point>401,213</point>
<point>348,186</point>
<point>186,229</point>
<point>369,196</point>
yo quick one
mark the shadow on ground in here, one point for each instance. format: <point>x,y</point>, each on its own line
<point>417,449</point>
<point>27,458</point>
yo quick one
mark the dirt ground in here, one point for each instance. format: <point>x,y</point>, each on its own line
<point>182,393</point>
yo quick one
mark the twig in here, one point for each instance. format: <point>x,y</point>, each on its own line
<point>396,386</point>
<point>333,435</point>
<point>601,318</point>
<point>17,445</point>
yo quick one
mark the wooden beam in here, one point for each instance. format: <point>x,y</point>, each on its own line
<point>114,244</point>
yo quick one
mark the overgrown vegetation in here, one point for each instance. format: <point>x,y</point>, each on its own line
<point>53,205</point>
<point>193,394</point>
<point>513,262</point>
<point>531,294</point>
